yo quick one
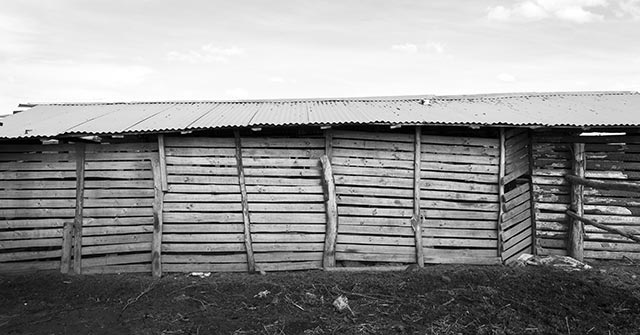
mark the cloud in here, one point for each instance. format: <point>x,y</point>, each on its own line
<point>236,93</point>
<point>631,8</point>
<point>407,48</point>
<point>578,11</point>
<point>507,78</point>
<point>410,48</point>
<point>277,80</point>
<point>206,54</point>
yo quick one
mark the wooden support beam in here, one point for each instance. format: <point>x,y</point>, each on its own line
<point>416,220</point>
<point>328,143</point>
<point>158,207</point>
<point>67,243</point>
<point>251,262</point>
<point>576,228</point>
<point>77,222</point>
<point>532,198</point>
<point>606,185</point>
<point>163,163</point>
<point>602,226</point>
<point>331,205</point>
<point>501,199</point>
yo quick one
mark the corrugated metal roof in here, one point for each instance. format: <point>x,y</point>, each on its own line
<point>582,109</point>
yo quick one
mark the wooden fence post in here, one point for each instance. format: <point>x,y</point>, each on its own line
<point>576,228</point>
<point>158,207</point>
<point>501,199</point>
<point>251,262</point>
<point>416,220</point>
<point>331,205</point>
<point>67,243</point>
<point>532,199</point>
<point>77,222</point>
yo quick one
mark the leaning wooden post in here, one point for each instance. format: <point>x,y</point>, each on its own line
<point>576,228</point>
<point>251,262</point>
<point>67,243</point>
<point>77,222</point>
<point>416,220</point>
<point>163,163</point>
<point>158,207</point>
<point>331,205</point>
<point>501,172</point>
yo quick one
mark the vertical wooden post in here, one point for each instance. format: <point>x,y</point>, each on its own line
<point>67,242</point>
<point>77,222</point>
<point>251,262</point>
<point>532,199</point>
<point>576,228</point>
<point>501,173</point>
<point>163,163</point>
<point>416,221</point>
<point>328,143</point>
<point>158,207</point>
<point>331,205</point>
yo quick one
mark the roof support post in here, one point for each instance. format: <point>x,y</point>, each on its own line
<point>77,222</point>
<point>251,262</point>
<point>163,163</point>
<point>576,227</point>
<point>158,208</point>
<point>501,198</point>
<point>416,220</point>
<point>331,204</point>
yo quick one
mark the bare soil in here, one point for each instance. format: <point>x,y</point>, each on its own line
<point>437,300</point>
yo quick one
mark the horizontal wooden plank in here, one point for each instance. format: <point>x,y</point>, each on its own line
<point>460,150</point>
<point>115,230</point>
<point>202,228</point>
<point>198,197</point>
<point>119,156</point>
<point>470,177</point>
<point>212,189</point>
<point>116,248</point>
<point>203,237</point>
<point>286,228</point>
<point>282,181</point>
<point>139,194</point>
<point>197,179</point>
<point>37,166</point>
<point>357,152</point>
<point>374,136</point>
<point>289,266</point>
<point>31,233</point>
<point>25,175</point>
<point>453,214</point>
<point>460,233</point>
<point>115,239</point>
<point>450,167</point>
<point>31,243</point>
<point>207,258</point>
<point>285,207</point>
<point>36,213</point>
<point>37,157</point>
<point>268,257</point>
<point>29,255</point>
<point>304,189</point>
<point>459,224</point>
<point>375,221</point>
<point>609,246</point>
<point>178,160</point>
<point>450,158</point>
<point>37,194</point>
<point>28,203</point>
<point>372,145</point>
<point>118,212</point>
<point>372,248</point>
<point>20,267</point>
<point>375,240</point>
<point>117,260</point>
<point>286,237</point>
<point>459,242</point>
<point>372,211</point>
<point>36,148</point>
<point>201,170</point>
<point>458,186</point>
<point>124,147</point>
<point>371,163</point>
<point>205,267</point>
<point>126,268</point>
<point>406,231</point>
<point>202,247</point>
<point>375,257</point>
<point>619,255</point>
<point>117,184</point>
<point>285,246</point>
<point>192,217</point>
<point>199,151</point>
<point>282,153</point>
<point>203,142</point>
<point>118,221</point>
<point>202,207</point>
<point>31,223</point>
<point>282,142</point>
<point>460,140</point>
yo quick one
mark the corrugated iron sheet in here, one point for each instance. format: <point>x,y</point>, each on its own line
<point>583,109</point>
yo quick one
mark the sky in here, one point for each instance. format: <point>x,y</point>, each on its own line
<point>147,50</point>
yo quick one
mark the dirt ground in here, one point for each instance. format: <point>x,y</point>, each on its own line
<point>437,300</point>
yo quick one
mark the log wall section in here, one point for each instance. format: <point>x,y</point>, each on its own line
<point>607,158</point>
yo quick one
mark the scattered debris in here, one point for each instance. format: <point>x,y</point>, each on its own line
<point>262,294</point>
<point>563,262</point>
<point>341,303</point>
<point>200,274</point>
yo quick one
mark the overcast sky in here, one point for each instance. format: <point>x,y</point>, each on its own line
<point>127,50</point>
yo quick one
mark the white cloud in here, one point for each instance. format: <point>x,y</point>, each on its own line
<point>277,80</point>
<point>411,48</point>
<point>407,47</point>
<point>630,7</point>
<point>578,11</point>
<point>206,54</point>
<point>236,93</point>
<point>506,77</point>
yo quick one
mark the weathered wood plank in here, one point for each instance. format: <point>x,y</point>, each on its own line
<point>251,263</point>
<point>331,210</point>
<point>78,219</point>
<point>576,228</point>
<point>157,212</point>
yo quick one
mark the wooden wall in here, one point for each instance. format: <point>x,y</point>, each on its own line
<point>197,206</point>
<point>37,195</point>
<point>607,158</point>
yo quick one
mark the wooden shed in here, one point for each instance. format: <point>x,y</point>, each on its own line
<point>318,183</point>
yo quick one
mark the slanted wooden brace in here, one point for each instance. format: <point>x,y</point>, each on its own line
<point>501,197</point>
<point>251,262</point>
